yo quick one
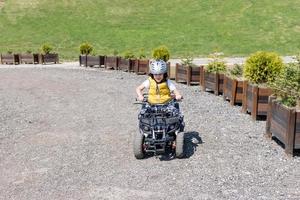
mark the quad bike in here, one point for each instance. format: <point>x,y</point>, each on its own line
<point>161,130</point>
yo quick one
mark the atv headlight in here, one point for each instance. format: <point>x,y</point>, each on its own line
<point>172,126</point>
<point>146,128</point>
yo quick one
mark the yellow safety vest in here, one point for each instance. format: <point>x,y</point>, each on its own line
<point>159,93</point>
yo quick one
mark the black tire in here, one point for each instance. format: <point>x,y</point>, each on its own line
<point>138,146</point>
<point>180,145</point>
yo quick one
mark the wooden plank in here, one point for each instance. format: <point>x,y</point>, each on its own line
<point>262,107</point>
<point>233,94</point>
<point>269,117</point>
<point>111,62</point>
<point>201,75</point>
<point>265,92</point>
<point>143,67</point>
<point>210,86</point>
<point>188,78</point>
<point>216,89</point>
<point>297,130</point>
<point>278,131</point>
<point>220,83</point>
<point>289,147</point>
<point>238,98</point>
<point>226,88</point>
<point>245,89</point>
<point>181,73</point>
<point>254,102</point>
<point>123,64</point>
<point>263,99</point>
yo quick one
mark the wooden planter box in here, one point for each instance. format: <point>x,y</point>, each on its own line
<point>255,100</point>
<point>134,62</point>
<point>171,71</point>
<point>284,124</point>
<point>29,58</point>
<point>212,82</point>
<point>111,62</point>
<point>92,61</point>
<point>141,67</point>
<point>10,59</point>
<point>233,90</point>
<point>87,60</point>
<point>124,64</point>
<point>49,58</point>
<point>187,74</point>
<point>82,60</point>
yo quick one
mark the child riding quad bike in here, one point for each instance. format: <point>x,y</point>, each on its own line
<point>161,130</point>
<point>160,121</point>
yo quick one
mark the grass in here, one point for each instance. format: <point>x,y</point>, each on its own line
<point>197,28</point>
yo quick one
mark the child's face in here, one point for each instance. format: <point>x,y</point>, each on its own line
<point>158,77</point>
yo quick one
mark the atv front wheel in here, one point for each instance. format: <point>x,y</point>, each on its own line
<point>179,145</point>
<point>138,146</point>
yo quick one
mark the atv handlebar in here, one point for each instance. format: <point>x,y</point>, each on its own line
<point>146,102</point>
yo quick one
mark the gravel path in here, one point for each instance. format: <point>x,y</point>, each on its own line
<point>66,133</point>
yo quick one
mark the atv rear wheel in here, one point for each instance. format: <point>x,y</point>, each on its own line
<point>179,145</point>
<point>138,146</point>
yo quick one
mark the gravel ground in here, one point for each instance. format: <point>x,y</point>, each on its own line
<point>66,133</point>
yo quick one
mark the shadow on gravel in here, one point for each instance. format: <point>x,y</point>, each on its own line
<point>191,142</point>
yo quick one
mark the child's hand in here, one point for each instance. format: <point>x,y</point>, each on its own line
<point>141,98</point>
<point>178,97</point>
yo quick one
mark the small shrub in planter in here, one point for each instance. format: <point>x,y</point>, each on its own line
<point>263,67</point>
<point>286,87</point>
<point>141,65</point>
<point>87,56</point>
<point>283,121</point>
<point>46,48</point>
<point>86,48</point>
<point>213,75</point>
<point>142,54</point>
<point>47,56</point>
<point>260,69</point>
<point>125,62</point>
<point>10,58</point>
<point>188,72</point>
<point>161,53</point>
<point>29,57</point>
<point>233,85</point>
<point>128,54</point>
<point>111,62</point>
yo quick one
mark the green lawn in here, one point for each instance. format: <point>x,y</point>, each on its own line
<point>235,27</point>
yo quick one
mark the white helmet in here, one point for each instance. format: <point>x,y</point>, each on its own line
<point>158,67</point>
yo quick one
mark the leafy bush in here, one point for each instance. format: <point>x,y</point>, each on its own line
<point>85,48</point>
<point>217,65</point>
<point>28,51</point>
<point>287,86</point>
<point>236,71</point>
<point>128,54</point>
<point>263,67</point>
<point>115,52</point>
<point>142,54</point>
<point>187,61</point>
<point>46,48</point>
<point>161,53</point>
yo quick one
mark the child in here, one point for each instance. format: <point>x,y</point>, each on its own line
<point>159,86</point>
